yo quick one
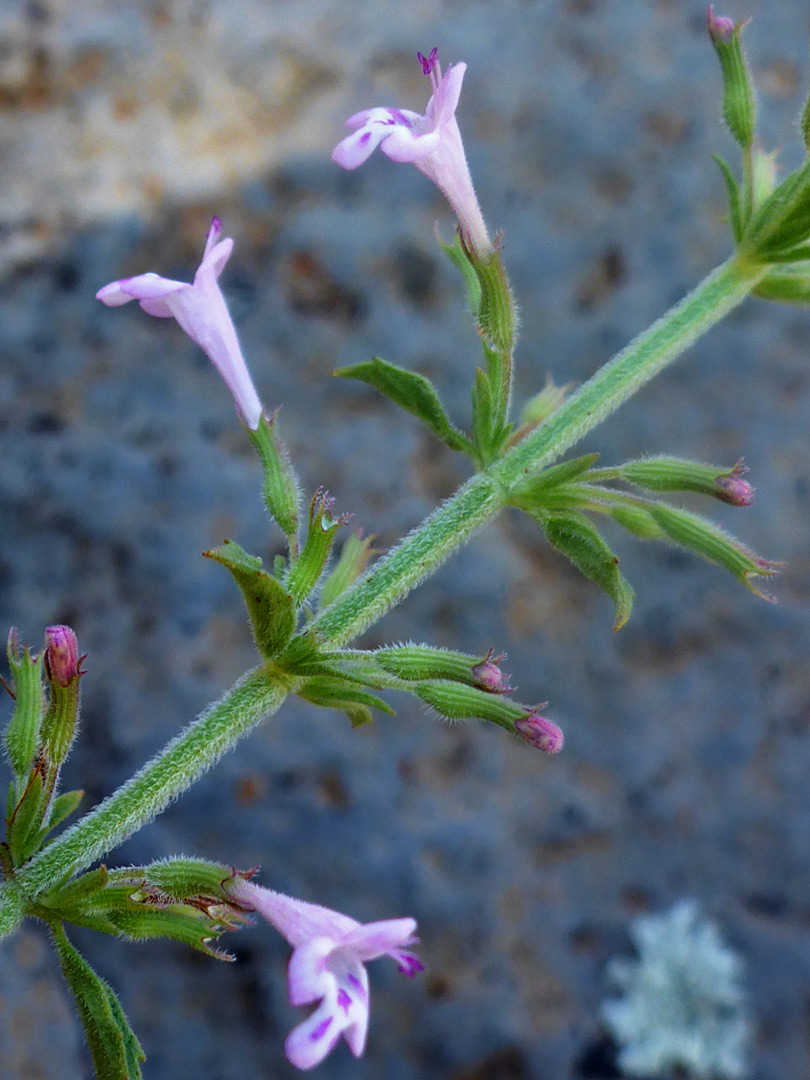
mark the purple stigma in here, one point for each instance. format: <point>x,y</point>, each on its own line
<point>344,1001</point>
<point>428,63</point>
<point>321,1029</point>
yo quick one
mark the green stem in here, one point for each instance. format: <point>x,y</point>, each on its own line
<point>255,696</point>
<point>157,784</point>
<point>452,524</point>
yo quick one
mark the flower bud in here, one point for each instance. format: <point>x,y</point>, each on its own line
<point>540,732</point>
<point>61,655</point>
<point>733,489</point>
<point>489,675</point>
<point>738,97</point>
<point>720,27</point>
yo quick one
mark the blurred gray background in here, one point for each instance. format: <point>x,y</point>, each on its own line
<point>588,125</point>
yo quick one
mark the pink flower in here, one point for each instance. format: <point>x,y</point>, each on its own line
<point>327,966</point>
<point>201,311</point>
<point>431,142</point>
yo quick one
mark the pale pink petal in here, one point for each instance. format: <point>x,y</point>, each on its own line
<point>214,259</point>
<point>212,236</point>
<point>141,287</point>
<point>374,939</point>
<point>404,145</point>
<point>201,311</point>
<point>358,147</point>
<point>308,978</point>
<point>296,920</point>
<point>309,1043</point>
<point>449,92</point>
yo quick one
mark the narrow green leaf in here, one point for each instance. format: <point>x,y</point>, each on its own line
<point>22,733</point>
<point>334,694</point>
<point>355,556</point>
<point>458,256</point>
<point>412,392</point>
<point>786,286</point>
<point>574,536</point>
<point>270,606</point>
<point>734,203</point>
<point>63,806</point>
<point>533,487</point>
<point>115,1050</point>
<point>783,220</point>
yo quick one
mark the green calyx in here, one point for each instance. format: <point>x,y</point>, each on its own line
<point>306,570</point>
<point>280,483</point>
<point>739,108</point>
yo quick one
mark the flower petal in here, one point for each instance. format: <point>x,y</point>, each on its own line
<point>308,978</point>
<point>215,258</point>
<point>358,147</point>
<point>446,99</point>
<point>212,236</point>
<point>148,286</point>
<point>296,920</point>
<point>403,144</point>
<point>203,314</point>
<point>375,939</point>
<point>309,1043</point>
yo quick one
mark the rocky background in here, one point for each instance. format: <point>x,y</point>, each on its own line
<point>589,123</point>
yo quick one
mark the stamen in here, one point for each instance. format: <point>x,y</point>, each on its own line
<point>429,62</point>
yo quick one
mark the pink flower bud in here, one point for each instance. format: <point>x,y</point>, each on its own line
<point>540,732</point>
<point>61,654</point>
<point>490,676</point>
<point>720,27</point>
<point>731,487</point>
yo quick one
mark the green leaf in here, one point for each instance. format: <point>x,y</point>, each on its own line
<point>115,1050</point>
<point>25,822</point>
<point>355,556</point>
<point>270,606</point>
<point>533,488</point>
<point>63,806</point>
<point>734,203</point>
<point>458,256</point>
<point>787,286</point>
<point>783,220</point>
<point>483,418</point>
<point>22,733</point>
<point>412,392</point>
<point>343,695</point>
<point>574,536</point>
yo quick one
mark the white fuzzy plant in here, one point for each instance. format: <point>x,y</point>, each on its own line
<point>683,1003</point>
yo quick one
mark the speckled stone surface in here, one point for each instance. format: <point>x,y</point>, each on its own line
<point>589,126</point>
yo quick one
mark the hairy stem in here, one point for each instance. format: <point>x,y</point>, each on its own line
<point>451,525</point>
<point>158,783</point>
<point>256,696</point>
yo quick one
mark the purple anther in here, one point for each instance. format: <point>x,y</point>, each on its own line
<point>428,63</point>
